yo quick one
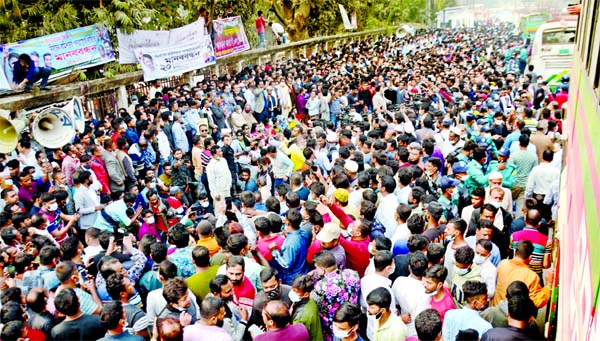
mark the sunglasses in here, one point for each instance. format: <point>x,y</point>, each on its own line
<point>204,130</point>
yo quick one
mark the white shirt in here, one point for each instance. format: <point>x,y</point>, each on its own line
<point>402,233</point>
<point>541,178</point>
<point>277,29</point>
<point>156,302</point>
<point>367,284</point>
<point>164,148</point>
<point>403,194</point>
<point>488,276</point>
<point>386,213</point>
<point>410,295</point>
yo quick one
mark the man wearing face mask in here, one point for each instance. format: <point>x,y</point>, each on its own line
<point>476,300</point>
<point>389,326</point>
<point>345,323</point>
<point>272,290</point>
<point>384,266</point>
<point>56,219</point>
<point>464,270</point>
<point>483,249</point>
<point>304,309</point>
<point>440,298</point>
<point>210,324</point>
<point>455,232</point>
<point>496,181</point>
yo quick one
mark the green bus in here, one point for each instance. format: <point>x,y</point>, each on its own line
<point>530,23</point>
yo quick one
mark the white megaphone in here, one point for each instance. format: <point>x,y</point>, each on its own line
<point>53,128</point>
<point>75,108</point>
<point>10,131</point>
<point>405,30</point>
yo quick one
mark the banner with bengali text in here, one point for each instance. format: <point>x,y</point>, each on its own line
<point>143,39</point>
<point>230,36</point>
<point>165,62</point>
<point>62,52</point>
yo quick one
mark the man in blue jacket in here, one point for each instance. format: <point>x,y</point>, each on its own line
<point>25,74</point>
<point>292,256</point>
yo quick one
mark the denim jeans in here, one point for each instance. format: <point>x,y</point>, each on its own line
<point>261,39</point>
<point>40,73</point>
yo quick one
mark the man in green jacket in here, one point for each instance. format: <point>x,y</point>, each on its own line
<point>304,309</point>
<point>478,175</point>
<point>507,168</point>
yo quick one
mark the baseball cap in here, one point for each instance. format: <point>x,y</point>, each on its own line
<point>329,232</point>
<point>341,195</point>
<point>459,167</point>
<point>447,182</point>
<point>485,129</point>
<point>504,152</point>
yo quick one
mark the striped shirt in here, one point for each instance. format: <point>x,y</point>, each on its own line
<point>206,157</point>
<point>525,161</point>
<point>542,245</point>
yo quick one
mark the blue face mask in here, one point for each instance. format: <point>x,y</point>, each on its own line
<point>461,272</point>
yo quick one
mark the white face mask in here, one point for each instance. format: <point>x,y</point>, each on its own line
<point>152,185</point>
<point>479,259</point>
<point>496,204</point>
<point>294,297</point>
<point>204,204</point>
<point>150,220</point>
<point>340,334</point>
<point>53,207</point>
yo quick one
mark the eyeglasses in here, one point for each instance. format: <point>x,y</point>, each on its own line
<point>204,131</point>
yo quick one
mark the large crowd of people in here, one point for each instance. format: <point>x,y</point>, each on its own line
<point>402,188</point>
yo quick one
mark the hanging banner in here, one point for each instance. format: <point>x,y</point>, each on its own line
<point>143,39</point>
<point>62,52</point>
<point>166,62</point>
<point>347,24</point>
<point>230,36</point>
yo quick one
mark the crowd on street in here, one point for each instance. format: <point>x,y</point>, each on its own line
<point>398,188</point>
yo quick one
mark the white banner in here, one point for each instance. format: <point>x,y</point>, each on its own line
<point>347,24</point>
<point>165,62</point>
<point>141,39</point>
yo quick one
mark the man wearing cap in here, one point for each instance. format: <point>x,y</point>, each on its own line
<point>351,169</point>
<point>329,238</point>
<point>454,142</point>
<point>459,172</point>
<point>507,168</point>
<point>496,181</point>
<point>448,199</point>
<point>340,197</point>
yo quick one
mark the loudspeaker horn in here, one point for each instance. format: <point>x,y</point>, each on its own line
<point>10,131</point>
<point>75,108</point>
<point>53,127</point>
<point>405,30</point>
